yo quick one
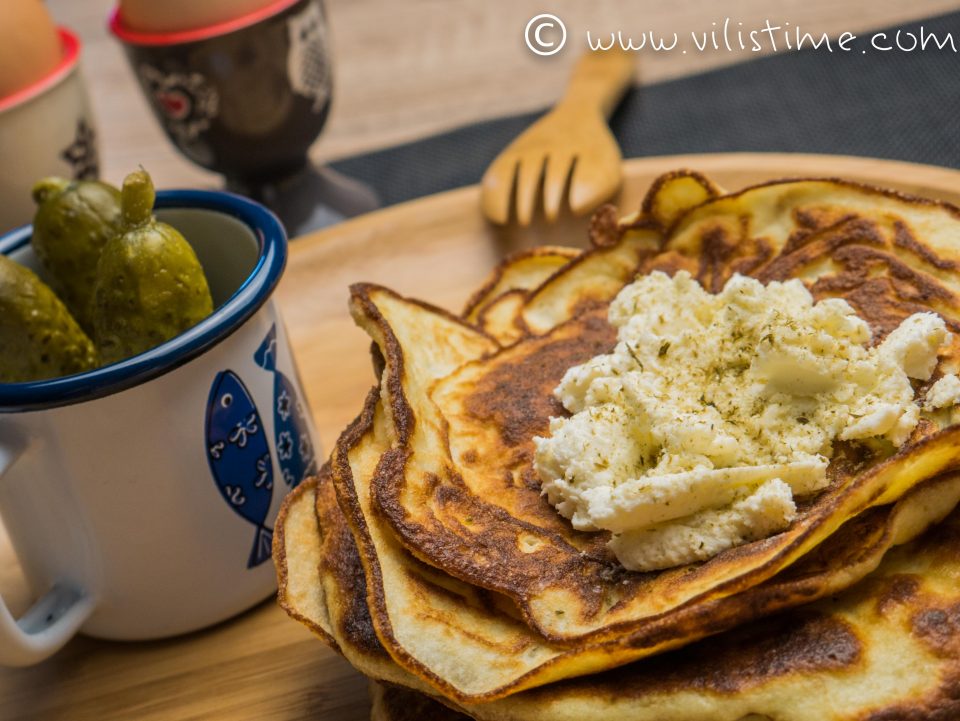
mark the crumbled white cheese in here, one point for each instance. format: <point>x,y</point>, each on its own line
<point>750,517</point>
<point>707,398</point>
<point>945,392</point>
<point>914,343</point>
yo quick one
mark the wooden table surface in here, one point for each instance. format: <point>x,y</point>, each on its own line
<point>403,71</point>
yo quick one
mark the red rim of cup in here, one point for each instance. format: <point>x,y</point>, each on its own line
<point>137,37</point>
<point>70,48</point>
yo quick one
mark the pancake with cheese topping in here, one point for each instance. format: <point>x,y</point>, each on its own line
<point>442,568</point>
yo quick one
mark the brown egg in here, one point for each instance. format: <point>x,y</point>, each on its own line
<point>29,44</point>
<point>150,16</point>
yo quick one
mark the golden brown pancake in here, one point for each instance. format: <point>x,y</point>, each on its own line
<point>889,255</point>
<point>498,306</point>
<point>884,650</point>
<point>459,638</point>
<point>463,480</point>
<point>674,194</point>
<point>299,593</point>
<point>521,271</point>
<point>468,646</point>
<point>501,317</point>
<point>467,481</point>
<point>390,702</point>
<point>766,657</point>
<point>590,280</point>
<point>761,668</point>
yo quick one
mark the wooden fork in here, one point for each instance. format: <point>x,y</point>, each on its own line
<point>571,146</point>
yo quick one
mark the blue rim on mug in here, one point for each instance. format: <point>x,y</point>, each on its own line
<point>242,304</point>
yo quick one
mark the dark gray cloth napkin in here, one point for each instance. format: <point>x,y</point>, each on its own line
<point>898,105</point>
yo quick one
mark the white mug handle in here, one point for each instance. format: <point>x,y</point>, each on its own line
<point>51,621</point>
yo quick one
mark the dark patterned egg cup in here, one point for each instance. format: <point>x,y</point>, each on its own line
<point>246,98</point>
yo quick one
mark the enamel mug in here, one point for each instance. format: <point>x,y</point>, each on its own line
<point>140,497</point>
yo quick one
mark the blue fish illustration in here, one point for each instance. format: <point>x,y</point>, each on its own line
<point>294,446</point>
<point>239,457</point>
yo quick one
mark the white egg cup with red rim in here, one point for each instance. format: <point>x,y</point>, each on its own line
<point>46,129</point>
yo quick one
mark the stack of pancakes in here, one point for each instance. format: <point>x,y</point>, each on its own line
<point>426,555</point>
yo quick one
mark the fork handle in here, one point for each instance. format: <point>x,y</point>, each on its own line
<point>600,78</point>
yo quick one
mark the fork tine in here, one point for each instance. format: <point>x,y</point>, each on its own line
<point>555,181</point>
<point>592,181</point>
<point>529,176</point>
<point>497,188</point>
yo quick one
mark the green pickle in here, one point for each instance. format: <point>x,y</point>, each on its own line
<point>73,222</point>
<point>39,338</point>
<point>149,285</point>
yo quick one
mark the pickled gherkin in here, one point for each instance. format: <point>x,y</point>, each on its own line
<point>149,285</point>
<point>39,338</point>
<point>74,220</point>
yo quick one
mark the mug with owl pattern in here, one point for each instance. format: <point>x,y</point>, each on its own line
<point>246,97</point>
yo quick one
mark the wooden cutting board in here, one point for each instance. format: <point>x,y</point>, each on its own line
<point>262,665</point>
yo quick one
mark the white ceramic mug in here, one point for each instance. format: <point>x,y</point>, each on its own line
<point>140,497</point>
<point>45,129</point>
